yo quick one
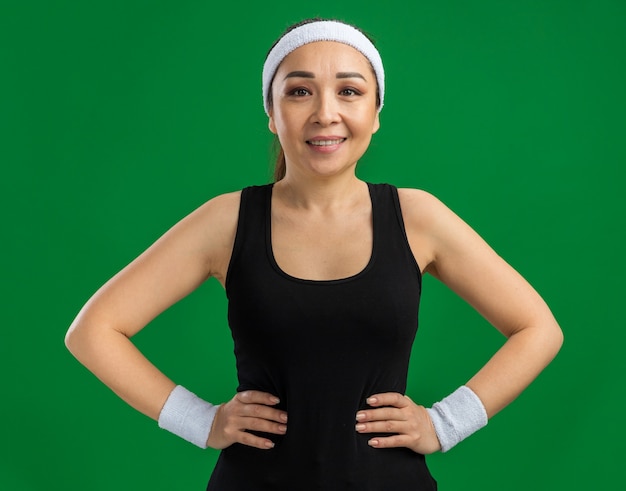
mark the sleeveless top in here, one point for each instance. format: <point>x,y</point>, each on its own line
<point>322,347</point>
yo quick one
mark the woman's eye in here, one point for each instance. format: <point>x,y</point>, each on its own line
<point>299,92</point>
<point>350,92</point>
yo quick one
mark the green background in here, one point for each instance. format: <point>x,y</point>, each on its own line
<point>119,118</point>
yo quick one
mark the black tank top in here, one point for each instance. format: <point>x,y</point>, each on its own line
<point>322,347</point>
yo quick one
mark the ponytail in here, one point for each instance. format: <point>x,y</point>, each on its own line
<point>280,168</point>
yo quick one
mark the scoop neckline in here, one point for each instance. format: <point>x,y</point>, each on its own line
<point>270,249</point>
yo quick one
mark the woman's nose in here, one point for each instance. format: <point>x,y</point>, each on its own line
<point>327,109</point>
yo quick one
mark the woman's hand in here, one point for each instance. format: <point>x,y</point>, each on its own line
<point>396,413</point>
<point>249,410</point>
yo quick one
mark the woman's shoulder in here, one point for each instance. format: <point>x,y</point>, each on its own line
<point>227,204</point>
<point>428,219</point>
<point>415,195</point>
<point>419,206</point>
<point>210,231</point>
<point>225,200</point>
<point>220,207</point>
<point>213,220</point>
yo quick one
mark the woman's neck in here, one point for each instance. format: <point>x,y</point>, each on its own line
<point>324,195</point>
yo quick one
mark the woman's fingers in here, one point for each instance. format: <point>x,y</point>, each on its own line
<point>248,410</point>
<point>257,404</point>
<point>389,399</point>
<point>390,441</point>
<point>264,425</point>
<point>395,413</point>
<point>381,414</point>
<point>257,397</point>
<point>254,441</point>
<point>390,407</point>
<point>386,426</point>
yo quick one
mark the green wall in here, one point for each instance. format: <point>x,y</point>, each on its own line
<point>117,118</point>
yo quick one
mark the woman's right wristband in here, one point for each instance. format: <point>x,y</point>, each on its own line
<point>187,416</point>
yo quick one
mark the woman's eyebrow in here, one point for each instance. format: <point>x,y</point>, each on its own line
<point>350,75</point>
<point>302,74</point>
<point>299,74</point>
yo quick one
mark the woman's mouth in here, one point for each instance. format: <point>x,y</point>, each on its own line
<point>326,143</point>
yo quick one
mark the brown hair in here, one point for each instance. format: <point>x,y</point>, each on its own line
<point>280,166</point>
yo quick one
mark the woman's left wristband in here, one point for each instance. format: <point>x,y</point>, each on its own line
<point>188,416</point>
<point>457,416</point>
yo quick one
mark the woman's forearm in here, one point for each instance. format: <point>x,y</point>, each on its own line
<point>515,365</point>
<point>115,360</point>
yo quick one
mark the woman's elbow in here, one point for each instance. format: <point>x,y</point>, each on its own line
<point>73,341</point>
<point>560,338</point>
<point>82,339</point>
<point>552,339</point>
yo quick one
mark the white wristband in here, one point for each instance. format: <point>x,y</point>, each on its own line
<point>187,416</point>
<point>457,416</point>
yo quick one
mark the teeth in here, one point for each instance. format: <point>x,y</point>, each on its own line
<point>325,143</point>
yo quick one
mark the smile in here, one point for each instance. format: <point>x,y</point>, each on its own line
<point>325,143</point>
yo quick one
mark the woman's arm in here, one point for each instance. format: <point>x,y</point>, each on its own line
<point>196,248</point>
<point>450,250</point>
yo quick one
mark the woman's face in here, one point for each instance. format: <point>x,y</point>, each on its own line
<point>324,108</point>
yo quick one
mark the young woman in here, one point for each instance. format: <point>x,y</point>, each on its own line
<point>323,277</point>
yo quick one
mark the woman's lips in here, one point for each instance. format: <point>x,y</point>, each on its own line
<point>325,144</point>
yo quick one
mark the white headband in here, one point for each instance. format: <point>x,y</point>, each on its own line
<point>321,31</point>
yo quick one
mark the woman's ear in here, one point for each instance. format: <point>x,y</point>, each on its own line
<point>376,126</point>
<point>271,124</point>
